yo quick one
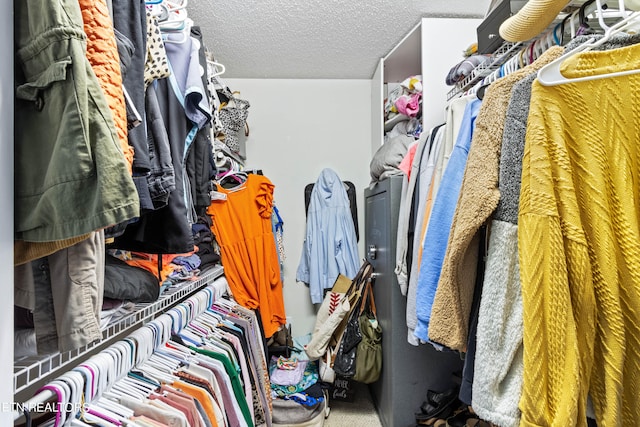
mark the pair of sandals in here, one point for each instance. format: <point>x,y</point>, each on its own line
<point>465,417</point>
<point>438,407</point>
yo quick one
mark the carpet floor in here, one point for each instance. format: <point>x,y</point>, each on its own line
<point>359,413</point>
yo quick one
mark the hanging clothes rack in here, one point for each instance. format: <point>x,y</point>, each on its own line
<point>511,56</point>
<point>144,349</point>
<point>29,372</point>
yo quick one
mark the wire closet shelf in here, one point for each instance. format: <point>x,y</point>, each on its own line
<point>31,370</point>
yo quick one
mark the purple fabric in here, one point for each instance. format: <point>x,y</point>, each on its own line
<point>288,377</point>
<point>191,262</point>
<point>228,398</point>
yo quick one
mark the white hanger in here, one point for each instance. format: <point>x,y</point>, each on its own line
<point>75,384</point>
<point>157,374</point>
<point>182,29</point>
<point>572,23</point>
<point>165,321</point>
<point>169,363</point>
<point>115,407</point>
<point>179,348</point>
<point>174,355</point>
<point>127,390</point>
<point>214,68</point>
<point>107,412</point>
<point>65,393</point>
<point>550,74</point>
<point>171,15</point>
<point>87,385</point>
<point>621,13</point>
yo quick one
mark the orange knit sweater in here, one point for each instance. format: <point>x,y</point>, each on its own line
<point>102,53</point>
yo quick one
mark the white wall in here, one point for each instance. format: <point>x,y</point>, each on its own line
<point>299,127</point>
<point>6,227</point>
<point>438,58</point>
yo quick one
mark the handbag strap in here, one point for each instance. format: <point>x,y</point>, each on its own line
<point>361,277</point>
<point>372,301</point>
<point>367,297</point>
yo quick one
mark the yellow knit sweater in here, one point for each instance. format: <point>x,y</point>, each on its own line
<point>579,240</point>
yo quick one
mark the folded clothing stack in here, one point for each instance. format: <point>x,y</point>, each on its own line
<point>464,68</point>
<point>405,99</point>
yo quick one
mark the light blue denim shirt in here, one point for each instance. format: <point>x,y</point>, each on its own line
<point>330,245</point>
<point>444,206</point>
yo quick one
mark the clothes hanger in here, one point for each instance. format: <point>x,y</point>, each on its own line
<point>116,364</point>
<point>171,364</point>
<point>177,347</point>
<point>75,383</point>
<point>165,322</point>
<point>151,384</point>
<point>177,356</point>
<point>540,46</point>
<point>86,378</point>
<point>178,33</point>
<point>621,12</point>
<point>139,382</point>
<point>215,69</point>
<point>237,175</point>
<point>90,383</point>
<point>550,74</point>
<point>227,303</point>
<point>155,363</point>
<point>199,329</point>
<point>211,318</point>
<point>93,418</point>
<point>126,389</point>
<point>100,370</point>
<point>143,339</point>
<point>191,337</point>
<point>115,407</point>
<point>106,365</point>
<point>185,311</point>
<point>583,25</point>
<point>65,402</point>
<point>59,392</point>
<point>104,414</point>
<point>172,16</point>
<point>176,321</point>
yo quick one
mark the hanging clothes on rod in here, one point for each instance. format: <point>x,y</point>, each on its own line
<point>202,360</point>
<point>497,312</point>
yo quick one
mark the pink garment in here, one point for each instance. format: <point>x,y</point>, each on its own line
<point>407,160</point>
<point>409,105</point>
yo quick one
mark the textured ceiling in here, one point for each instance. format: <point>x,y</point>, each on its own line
<point>314,39</point>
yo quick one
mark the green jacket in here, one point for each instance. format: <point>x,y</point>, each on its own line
<point>71,176</point>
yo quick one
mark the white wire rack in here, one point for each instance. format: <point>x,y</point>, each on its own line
<point>31,370</point>
<point>508,49</point>
<point>499,57</point>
